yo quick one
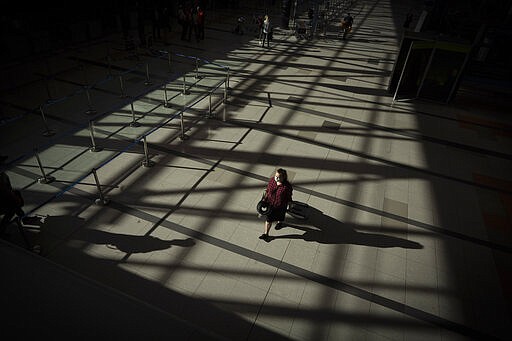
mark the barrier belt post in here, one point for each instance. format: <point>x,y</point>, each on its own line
<point>93,147</point>
<point>48,131</point>
<point>121,84</point>
<point>109,66</point>
<point>225,92</point>
<point>169,60</point>
<point>44,179</point>
<point>197,69</point>
<point>166,101</point>
<point>146,162</point>
<point>102,200</point>
<point>48,92</point>
<point>133,123</point>
<point>90,110</point>
<point>210,105</point>
<point>185,92</point>
<point>224,109</point>
<point>148,81</point>
<point>84,74</point>
<point>183,136</point>
<point>227,77</point>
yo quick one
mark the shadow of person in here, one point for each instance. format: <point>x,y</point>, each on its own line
<point>324,229</point>
<point>134,243</point>
<point>55,229</point>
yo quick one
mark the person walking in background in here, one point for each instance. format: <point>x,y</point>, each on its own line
<point>346,25</point>
<point>266,29</point>
<point>278,195</point>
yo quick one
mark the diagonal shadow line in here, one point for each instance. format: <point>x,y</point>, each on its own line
<point>309,275</point>
<point>416,136</point>
<point>495,246</point>
<point>367,156</point>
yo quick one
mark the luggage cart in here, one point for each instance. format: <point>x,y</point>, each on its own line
<point>303,28</point>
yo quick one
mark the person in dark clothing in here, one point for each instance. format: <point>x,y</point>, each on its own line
<point>408,20</point>
<point>156,21</point>
<point>199,23</point>
<point>141,22</point>
<point>11,201</point>
<point>185,20</point>
<point>346,25</point>
<point>278,195</point>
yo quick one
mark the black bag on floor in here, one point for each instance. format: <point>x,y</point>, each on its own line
<point>298,210</point>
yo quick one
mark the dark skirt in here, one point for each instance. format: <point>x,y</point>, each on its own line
<point>277,214</point>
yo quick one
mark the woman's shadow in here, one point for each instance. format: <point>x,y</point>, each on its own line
<point>324,229</point>
<point>55,229</point>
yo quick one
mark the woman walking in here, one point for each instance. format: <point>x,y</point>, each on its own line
<point>278,195</point>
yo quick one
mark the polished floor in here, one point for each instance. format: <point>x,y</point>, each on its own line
<point>143,171</point>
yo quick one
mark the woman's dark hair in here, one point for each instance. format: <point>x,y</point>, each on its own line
<point>283,174</point>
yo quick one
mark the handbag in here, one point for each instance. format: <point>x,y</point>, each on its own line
<point>263,207</point>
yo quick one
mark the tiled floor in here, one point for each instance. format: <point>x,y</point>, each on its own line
<point>408,233</point>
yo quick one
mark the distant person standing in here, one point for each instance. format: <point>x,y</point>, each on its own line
<point>200,23</point>
<point>408,20</point>
<point>266,31</point>
<point>141,22</point>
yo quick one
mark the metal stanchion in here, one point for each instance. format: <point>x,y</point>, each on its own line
<point>109,63</point>
<point>169,60</point>
<point>121,84</point>
<point>183,136</point>
<point>209,106</point>
<point>90,110</point>
<point>147,162</point>
<point>166,101</point>
<point>197,69</point>
<point>133,123</point>
<point>47,77</point>
<point>225,100</point>
<point>93,147</point>
<point>84,74</point>
<point>48,131</point>
<point>269,100</point>
<point>148,81</point>
<point>44,179</point>
<point>227,78</point>
<point>102,200</point>
<point>48,92</point>
<point>185,91</point>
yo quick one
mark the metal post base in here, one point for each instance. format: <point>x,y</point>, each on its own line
<point>135,124</point>
<point>48,132</point>
<point>95,149</point>
<point>46,180</point>
<point>184,137</point>
<point>101,202</point>
<point>148,164</point>
<point>90,112</point>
